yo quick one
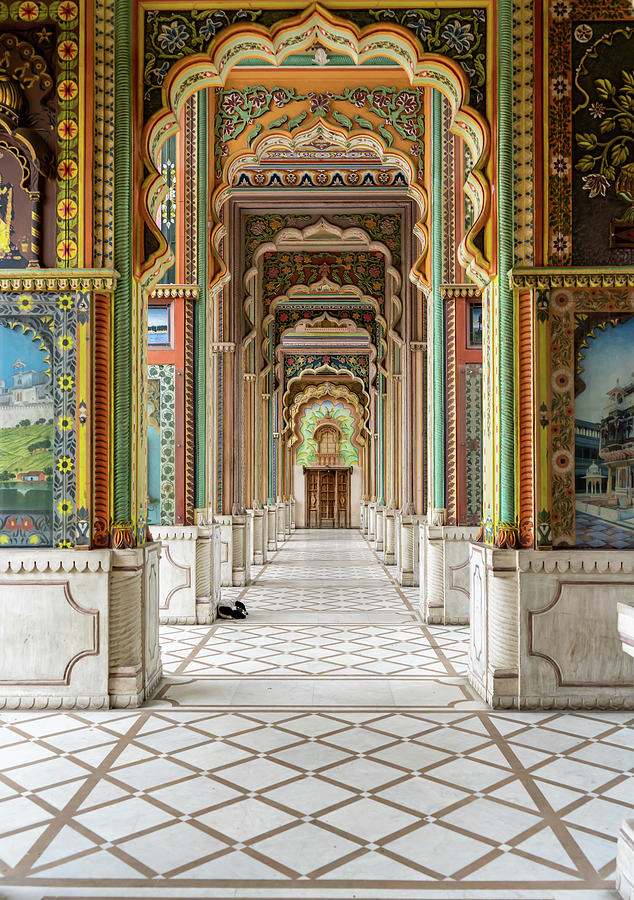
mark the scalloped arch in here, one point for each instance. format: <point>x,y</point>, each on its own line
<point>272,46</point>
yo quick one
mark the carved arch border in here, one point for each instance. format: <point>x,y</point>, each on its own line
<point>272,46</point>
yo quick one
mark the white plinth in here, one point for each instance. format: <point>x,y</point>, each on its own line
<point>544,628</point>
<point>79,628</point>
<point>190,580</point>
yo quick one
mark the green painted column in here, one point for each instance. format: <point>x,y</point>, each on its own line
<point>123,311</point>
<point>507,514</point>
<point>200,345</point>
<point>438,342</point>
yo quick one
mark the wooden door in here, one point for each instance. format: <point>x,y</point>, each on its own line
<point>327,498</point>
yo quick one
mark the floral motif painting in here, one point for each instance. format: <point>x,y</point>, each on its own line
<point>604,435</point>
<point>318,413</point>
<point>603,152</point>
<point>283,270</point>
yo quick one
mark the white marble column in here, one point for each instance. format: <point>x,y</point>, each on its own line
<point>240,563</point>
<point>389,545</point>
<point>405,569</point>
<point>371,522</point>
<point>379,529</point>
<point>259,536</point>
<point>271,528</point>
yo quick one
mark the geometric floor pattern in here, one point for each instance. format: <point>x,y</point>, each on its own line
<point>231,784</point>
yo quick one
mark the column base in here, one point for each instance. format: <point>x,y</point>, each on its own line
<point>379,529</point>
<point>544,628</point>
<point>259,546</point>
<point>189,583</point>
<point>389,546</point>
<point>444,573</point>
<point>408,550</point>
<point>102,608</point>
<point>271,538</point>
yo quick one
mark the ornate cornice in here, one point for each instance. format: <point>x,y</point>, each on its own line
<point>58,279</point>
<point>460,291</point>
<point>175,291</point>
<point>577,277</point>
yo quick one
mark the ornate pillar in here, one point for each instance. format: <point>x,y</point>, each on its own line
<point>506,527</point>
<point>437,461</point>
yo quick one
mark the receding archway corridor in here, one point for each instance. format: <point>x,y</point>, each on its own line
<point>327,746</point>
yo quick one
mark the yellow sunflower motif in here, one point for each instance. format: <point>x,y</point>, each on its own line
<point>65,301</point>
<point>64,545</point>
<point>25,303</point>
<point>64,464</point>
<point>65,342</point>
<point>64,507</point>
<point>66,382</point>
<point>65,423</point>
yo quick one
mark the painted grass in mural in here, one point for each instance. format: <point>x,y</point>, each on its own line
<point>604,438</point>
<point>26,439</point>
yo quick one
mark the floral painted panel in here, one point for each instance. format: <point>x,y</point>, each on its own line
<point>603,149</point>
<point>317,414</point>
<point>363,270</point>
<point>395,112</point>
<point>38,334</point>
<point>358,365</point>
<point>161,445</point>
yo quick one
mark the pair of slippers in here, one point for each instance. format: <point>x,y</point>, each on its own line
<point>237,611</point>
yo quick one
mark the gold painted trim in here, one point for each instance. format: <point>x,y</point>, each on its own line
<point>58,280</point>
<point>545,278</point>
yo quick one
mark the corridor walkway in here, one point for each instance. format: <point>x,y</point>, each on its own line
<point>328,746</point>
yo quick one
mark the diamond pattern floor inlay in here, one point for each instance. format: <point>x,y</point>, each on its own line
<point>324,747</point>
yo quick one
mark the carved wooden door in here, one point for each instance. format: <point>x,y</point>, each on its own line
<point>327,498</point>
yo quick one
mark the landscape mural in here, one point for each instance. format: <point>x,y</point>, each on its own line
<point>604,437</point>
<point>26,438</point>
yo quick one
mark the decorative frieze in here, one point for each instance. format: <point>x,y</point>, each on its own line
<point>574,277</point>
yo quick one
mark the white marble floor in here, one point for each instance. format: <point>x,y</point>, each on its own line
<point>328,746</point>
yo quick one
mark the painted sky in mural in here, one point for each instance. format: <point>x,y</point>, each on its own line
<point>604,440</point>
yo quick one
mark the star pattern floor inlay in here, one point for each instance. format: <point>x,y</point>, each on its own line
<point>327,746</point>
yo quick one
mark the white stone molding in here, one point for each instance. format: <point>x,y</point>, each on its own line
<point>86,625</point>
<point>186,573</point>
<point>548,623</point>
